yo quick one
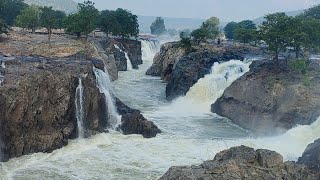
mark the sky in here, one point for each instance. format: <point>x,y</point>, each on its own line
<point>226,10</point>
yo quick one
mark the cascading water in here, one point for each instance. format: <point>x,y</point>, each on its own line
<point>104,84</point>
<point>129,64</point>
<point>208,89</point>
<point>3,66</point>
<point>186,140</point>
<point>149,48</point>
<point>79,101</point>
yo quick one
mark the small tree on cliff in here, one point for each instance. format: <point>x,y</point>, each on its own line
<point>29,18</point>
<point>158,27</point>
<point>275,31</point>
<point>48,20</point>
<point>119,23</point>
<point>230,29</point>
<point>84,21</point>
<point>185,41</point>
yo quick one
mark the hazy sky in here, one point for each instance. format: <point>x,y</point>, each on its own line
<point>226,10</point>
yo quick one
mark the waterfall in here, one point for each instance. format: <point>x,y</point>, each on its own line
<point>3,66</point>
<point>208,89</point>
<point>149,49</point>
<point>104,84</point>
<point>79,101</point>
<point>129,64</point>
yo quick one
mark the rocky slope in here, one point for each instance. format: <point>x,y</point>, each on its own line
<point>37,105</point>
<point>268,101</point>
<point>188,69</point>
<point>243,163</point>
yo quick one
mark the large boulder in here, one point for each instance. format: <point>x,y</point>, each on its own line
<point>267,100</point>
<point>242,163</point>
<point>37,104</point>
<point>169,54</point>
<point>135,123</point>
<point>311,156</point>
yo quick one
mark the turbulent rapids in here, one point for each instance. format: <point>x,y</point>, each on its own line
<point>191,134</point>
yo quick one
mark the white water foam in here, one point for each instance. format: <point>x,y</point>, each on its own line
<point>208,89</point>
<point>129,64</point>
<point>79,101</point>
<point>104,84</point>
<point>149,48</point>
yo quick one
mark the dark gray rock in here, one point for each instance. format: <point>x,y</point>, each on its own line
<point>311,156</point>
<point>242,163</point>
<point>135,123</point>
<point>268,101</point>
<point>133,48</point>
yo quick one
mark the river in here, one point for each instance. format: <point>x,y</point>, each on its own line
<point>191,134</point>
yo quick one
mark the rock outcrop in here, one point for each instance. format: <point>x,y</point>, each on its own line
<point>133,122</point>
<point>268,101</point>
<point>133,48</point>
<point>311,156</point>
<point>243,163</point>
<point>169,54</point>
<point>37,104</point>
<point>195,65</point>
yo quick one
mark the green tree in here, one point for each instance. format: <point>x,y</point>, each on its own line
<point>119,23</point>
<point>185,42</point>
<point>200,35</point>
<point>247,24</point>
<point>84,21</point>
<point>158,27</point>
<point>48,20</point>
<point>313,12</point>
<point>3,27</point>
<point>230,29</point>
<point>60,16</point>
<point>29,18</point>
<point>211,26</point>
<point>275,32</point>
<point>245,35</point>
<point>10,9</point>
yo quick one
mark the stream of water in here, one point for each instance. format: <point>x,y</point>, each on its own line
<point>191,134</point>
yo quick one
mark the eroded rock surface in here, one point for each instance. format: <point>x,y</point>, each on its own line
<point>311,156</point>
<point>242,163</point>
<point>268,101</point>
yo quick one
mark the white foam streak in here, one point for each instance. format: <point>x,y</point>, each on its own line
<point>129,64</point>
<point>105,87</point>
<point>79,101</point>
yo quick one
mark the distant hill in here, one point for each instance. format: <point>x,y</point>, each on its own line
<point>67,6</point>
<point>171,23</point>
<point>259,20</point>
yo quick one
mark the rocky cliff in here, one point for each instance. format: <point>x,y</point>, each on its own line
<point>267,101</point>
<point>311,156</point>
<point>169,53</point>
<point>243,163</point>
<point>37,105</point>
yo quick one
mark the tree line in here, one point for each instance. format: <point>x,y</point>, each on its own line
<point>117,23</point>
<point>280,32</point>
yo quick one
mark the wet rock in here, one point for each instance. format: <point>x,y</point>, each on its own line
<point>135,123</point>
<point>169,53</point>
<point>133,48</point>
<point>242,163</point>
<point>37,105</point>
<point>268,101</point>
<point>311,156</point>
